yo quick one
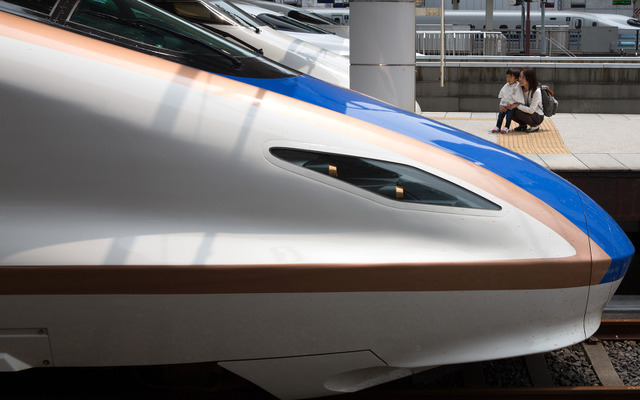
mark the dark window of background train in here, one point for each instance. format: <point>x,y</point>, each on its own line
<point>193,11</point>
<point>394,181</point>
<point>143,27</point>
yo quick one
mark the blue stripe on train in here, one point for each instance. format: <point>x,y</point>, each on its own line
<point>547,186</point>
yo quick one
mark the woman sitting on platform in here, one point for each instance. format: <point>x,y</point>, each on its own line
<point>530,113</point>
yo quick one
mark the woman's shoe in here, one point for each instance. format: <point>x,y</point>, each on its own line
<point>520,128</point>
<point>495,130</point>
<point>533,129</point>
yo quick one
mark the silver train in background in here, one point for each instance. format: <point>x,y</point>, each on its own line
<point>577,31</point>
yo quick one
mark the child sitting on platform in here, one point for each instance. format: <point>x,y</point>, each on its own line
<point>511,93</point>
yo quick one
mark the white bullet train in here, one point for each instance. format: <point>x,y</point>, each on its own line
<point>306,15</point>
<point>297,29</point>
<point>169,198</point>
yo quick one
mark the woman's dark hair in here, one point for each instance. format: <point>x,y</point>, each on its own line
<point>514,72</point>
<point>531,78</point>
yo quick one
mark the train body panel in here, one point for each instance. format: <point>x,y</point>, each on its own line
<point>153,212</point>
<point>158,137</point>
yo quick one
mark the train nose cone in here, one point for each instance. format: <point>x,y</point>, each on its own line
<point>611,254</point>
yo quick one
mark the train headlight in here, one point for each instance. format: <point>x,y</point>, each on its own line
<point>392,180</point>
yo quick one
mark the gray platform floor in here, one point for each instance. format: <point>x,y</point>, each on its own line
<point>595,141</point>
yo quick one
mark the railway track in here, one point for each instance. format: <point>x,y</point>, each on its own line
<point>537,377</point>
<point>531,377</point>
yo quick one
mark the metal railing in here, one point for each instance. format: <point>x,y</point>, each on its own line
<point>461,43</point>
<point>565,42</point>
<point>559,41</point>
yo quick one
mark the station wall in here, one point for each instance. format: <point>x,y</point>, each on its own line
<point>579,87</point>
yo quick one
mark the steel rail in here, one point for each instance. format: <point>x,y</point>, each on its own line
<point>619,329</point>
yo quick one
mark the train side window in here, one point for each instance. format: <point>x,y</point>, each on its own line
<point>391,180</point>
<point>40,6</point>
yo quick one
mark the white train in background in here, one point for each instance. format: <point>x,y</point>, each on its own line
<point>329,22</point>
<point>297,28</point>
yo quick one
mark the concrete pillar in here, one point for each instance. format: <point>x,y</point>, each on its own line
<point>527,35</point>
<point>543,43</point>
<point>382,37</point>
<point>488,19</point>
<point>636,15</point>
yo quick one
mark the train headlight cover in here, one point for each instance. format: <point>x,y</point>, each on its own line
<point>392,180</point>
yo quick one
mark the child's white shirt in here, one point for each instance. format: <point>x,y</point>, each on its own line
<point>511,93</point>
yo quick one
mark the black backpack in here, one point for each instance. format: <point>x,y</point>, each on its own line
<point>549,103</point>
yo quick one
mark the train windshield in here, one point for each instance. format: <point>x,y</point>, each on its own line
<point>633,22</point>
<point>141,26</point>
<point>394,181</point>
<point>282,23</point>
<point>235,13</point>
<point>217,12</point>
<point>310,18</point>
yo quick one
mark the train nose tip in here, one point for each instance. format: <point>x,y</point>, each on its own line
<point>611,249</point>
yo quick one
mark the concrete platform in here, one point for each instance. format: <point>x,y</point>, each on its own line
<point>565,142</point>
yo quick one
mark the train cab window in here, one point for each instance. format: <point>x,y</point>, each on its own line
<point>194,11</point>
<point>394,181</point>
<point>307,18</point>
<point>284,23</point>
<point>40,6</point>
<point>230,10</point>
<point>633,22</point>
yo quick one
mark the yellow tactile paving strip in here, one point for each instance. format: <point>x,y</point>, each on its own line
<point>546,141</point>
